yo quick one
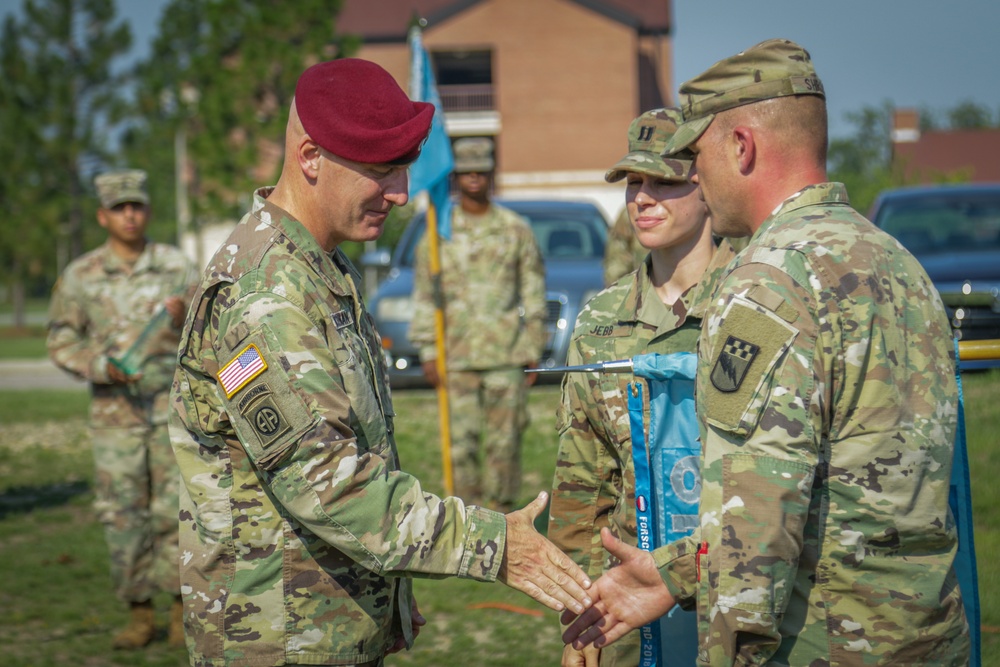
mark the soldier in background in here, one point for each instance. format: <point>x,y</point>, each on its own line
<point>623,252</point>
<point>300,531</point>
<point>654,309</point>
<point>493,293</point>
<point>100,307</point>
<point>827,399</point>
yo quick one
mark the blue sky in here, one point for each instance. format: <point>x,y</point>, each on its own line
<point>910,52</point>
<point>913,53</point>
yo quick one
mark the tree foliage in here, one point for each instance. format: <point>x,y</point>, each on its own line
<point>57,94</point>
<point>864,160</point>
<point>223,72</point>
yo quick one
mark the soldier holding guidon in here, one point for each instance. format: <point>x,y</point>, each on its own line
<point>654,309</point>
<point>827,399</point>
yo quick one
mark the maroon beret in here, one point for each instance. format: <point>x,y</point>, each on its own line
<point>355,109</point>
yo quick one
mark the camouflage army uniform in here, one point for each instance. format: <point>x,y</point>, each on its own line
<point>99,307</point>
<point>491,269</point>
<point>827,398</point>
<point>594,484</point>
<point>623,253</point>
<point>296,519</point>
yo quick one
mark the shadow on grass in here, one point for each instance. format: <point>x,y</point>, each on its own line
<point>23,499</point>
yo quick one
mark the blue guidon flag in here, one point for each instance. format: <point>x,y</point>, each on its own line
<point>244,367</point>
<point>665,459</point>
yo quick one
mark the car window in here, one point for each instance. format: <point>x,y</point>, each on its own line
<point>943,223</point>
<point>570,233</point>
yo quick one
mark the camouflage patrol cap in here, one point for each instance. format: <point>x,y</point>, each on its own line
<point>647,136</point>
<point>118,187</point>
<point>775,68</point>
<point>473,154</point>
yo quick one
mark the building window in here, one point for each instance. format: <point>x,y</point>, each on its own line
<point>465,80</point>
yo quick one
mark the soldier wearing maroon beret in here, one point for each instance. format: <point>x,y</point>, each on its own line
<point>299,530</point>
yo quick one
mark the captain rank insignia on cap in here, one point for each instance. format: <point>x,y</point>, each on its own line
<point>244,367</point>
<point>732,364</point>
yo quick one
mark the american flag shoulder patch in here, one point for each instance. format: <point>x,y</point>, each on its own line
<point>244,367</point>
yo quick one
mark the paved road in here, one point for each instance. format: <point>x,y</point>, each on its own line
<point>35,374</point>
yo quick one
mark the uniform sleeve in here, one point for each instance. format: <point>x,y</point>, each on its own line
<point>583,496</point>
<point>188,282</point>
<point>531,273</point>
<point>297,423</point>
<point>760,393</point>
<point>69,341</point>
<point>422,324</point>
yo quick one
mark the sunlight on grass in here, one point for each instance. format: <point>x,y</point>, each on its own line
<point>60,609</point>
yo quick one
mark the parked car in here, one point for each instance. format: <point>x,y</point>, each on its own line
<point>571,236</point>
<point>954,231</point>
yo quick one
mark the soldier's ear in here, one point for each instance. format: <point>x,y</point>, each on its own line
<point>309,155</point>
<point>102,217</point>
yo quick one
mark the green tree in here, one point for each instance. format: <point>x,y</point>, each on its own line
<point>57,92</point>
<point>863,161</point>
<point>21,186</point>
<point>218,82</point>
<point>73,44</point>
<point>969,115</point>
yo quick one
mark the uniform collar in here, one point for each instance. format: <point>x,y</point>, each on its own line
<point>649,309</point>
<point>333,267</point>
<point>112,263</point>
<point>812,195</point>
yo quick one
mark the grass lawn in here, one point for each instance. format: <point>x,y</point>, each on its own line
<point>57,608</point>
<point>26,343</point>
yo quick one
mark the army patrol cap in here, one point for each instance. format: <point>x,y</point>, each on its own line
<point>473,154</point>
<point>775,68</point>
<point>118,187</point>
<point>647,137</point>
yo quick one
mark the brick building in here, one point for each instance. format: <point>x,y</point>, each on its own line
<point>554,82</point>
<point>928,156</point>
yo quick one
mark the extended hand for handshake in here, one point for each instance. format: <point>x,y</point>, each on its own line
<point>537,568</point>
<point>625,597</point>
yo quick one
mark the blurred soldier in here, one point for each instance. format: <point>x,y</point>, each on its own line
<point>299,530</point>
<point>100,307</point>
<point>827,398</point>
<point>493,294</point>
<point>657,308</point>
<point>623,252</point>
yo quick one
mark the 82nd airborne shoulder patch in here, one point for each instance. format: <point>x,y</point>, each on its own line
<point>732,363</point>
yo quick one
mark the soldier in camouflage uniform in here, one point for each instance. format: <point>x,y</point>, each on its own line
<point>657,308</point>
<point>100,306</point>
<point>299,531</point>
<point>622,253</point>
<point>827,395</point>
<point>493,294</point>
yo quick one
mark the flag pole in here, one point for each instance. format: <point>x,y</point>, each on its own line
<point>444,412</point>
<point>433,176</point>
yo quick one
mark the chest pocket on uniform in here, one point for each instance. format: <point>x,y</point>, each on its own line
<point>748,347</point>
<point>360,369</point>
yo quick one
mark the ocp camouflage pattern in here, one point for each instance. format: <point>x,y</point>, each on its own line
<point>493,293</point>
<point>594,482</point>
<point>827,395</point>
<point>647,137</point>
<point>99,307</point>
<point>298,529</point>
